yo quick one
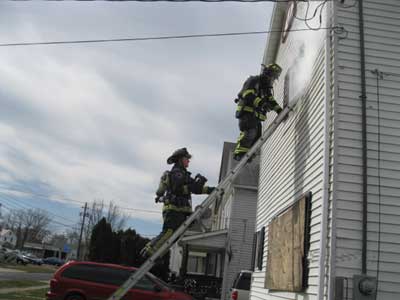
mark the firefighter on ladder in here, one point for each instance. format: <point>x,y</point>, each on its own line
<point>175,189</point>
<point>253,102</point>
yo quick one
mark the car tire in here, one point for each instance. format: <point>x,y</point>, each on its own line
<point>74,297</point>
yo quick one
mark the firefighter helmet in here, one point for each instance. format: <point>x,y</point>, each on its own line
<point>179,153</point>
<point>272,71</point>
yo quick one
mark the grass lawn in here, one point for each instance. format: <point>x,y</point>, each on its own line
<point>19,283</point>
<point>31,268</point>
<point>27,295</point>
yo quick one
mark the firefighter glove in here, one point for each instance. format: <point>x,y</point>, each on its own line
<point>210,189</point>
<point>200,179</point>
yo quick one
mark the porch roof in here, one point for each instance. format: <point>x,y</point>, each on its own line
<point>214,240</point>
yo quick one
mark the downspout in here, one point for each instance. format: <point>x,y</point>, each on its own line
<point>364,140</point>
<point>325,183</point>
<point>334,114</point>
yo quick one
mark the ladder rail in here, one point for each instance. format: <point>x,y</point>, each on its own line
<point>149,263</point>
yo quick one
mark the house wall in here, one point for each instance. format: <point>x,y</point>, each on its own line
<point>8,237</point>
<point>175,260</point>
<point>240,236</point>
<point>292,160</point>
<point>382,48</point>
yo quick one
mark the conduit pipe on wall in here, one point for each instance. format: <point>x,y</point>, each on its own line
<point>326,160</point>
<point>363,98</point>
<point>333,45</point>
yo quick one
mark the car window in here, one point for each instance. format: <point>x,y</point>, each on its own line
<point>96,274</point>
<point>104,275</point>
<point>242,281</point>
<point>145,284</point>
<point>158,281</point>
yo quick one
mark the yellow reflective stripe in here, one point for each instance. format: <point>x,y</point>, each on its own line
<point>177,208</point>
<point>261,116</point>
<point>239,150</point>
<point>248,108</point>
<point>247,92</point>
<point>162,240</point>
<point>241,136</point>
<point>204,190</point>
<point>245,108</point>
<point>257,101</point>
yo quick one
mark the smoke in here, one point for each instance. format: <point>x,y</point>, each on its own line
<point>304,46</point>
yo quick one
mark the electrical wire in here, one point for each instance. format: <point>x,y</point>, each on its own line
<point>12,207</point>
<point>40,195</point>
<point>68,199</point>
<point>379,76</point>
<point>320,7</point>
<point>210,1</point>
<point>306,14</point>
<point>4,195</point>
<point>141,210</point>
<point>136,39</point>
<point>16,205</point>
<point>383,74</point>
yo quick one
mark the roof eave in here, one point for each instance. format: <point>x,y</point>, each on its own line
<point>274,37</point>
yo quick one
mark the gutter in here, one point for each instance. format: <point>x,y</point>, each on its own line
<point>363,98</point>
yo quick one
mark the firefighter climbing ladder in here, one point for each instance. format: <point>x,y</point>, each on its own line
<point>148,264</point>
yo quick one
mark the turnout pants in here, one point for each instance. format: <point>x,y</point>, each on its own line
<point>172,221</point>
<point>247,138</point>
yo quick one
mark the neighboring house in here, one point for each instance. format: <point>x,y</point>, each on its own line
<point>45,250</point>
<point>7,237</point>
<point>224,247</point>
<point>328,200</point>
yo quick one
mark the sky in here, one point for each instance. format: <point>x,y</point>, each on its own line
<point>85,122</point>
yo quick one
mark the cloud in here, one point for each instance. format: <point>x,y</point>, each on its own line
<point>98,121</point>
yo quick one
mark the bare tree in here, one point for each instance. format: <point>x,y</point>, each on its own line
<point>115,217</point>
<point>12,220</point>
<point>35,223</point>
<point>96,212</point>
<point>29,225</point>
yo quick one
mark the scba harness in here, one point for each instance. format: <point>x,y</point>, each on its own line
<point>175,190</point>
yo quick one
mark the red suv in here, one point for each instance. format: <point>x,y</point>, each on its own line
<point>77,280</point>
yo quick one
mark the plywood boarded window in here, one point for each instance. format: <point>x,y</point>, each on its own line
<point>288,240</point>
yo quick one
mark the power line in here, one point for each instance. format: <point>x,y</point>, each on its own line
<point>18,205</point>
<point>29,206</point>
<point>337,29</point>
<point>10,209</point>
<point>68,199</point>
<point>141,210</point>
<point>41,195</point>
<point>210,1</point>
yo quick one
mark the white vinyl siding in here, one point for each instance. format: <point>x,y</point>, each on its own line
<point>240,236</point>
<point>292,164</point>
<point>382,47</point>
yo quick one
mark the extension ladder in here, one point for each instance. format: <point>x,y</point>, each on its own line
<point>148,264</point>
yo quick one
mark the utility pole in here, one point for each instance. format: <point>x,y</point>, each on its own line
<point>1,218</point>
<point>80,236</point>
